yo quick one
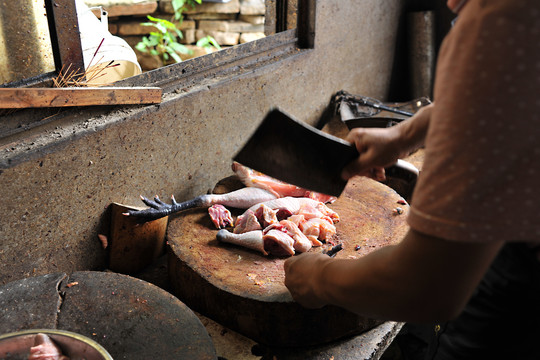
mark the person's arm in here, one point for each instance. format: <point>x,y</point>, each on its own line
<point>382,147</point>
<point>422,279</point>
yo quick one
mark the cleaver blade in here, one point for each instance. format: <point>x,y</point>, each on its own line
<point>297,153</point>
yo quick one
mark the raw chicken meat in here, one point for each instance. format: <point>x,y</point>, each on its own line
<point>220,216</point>
<point>45,349</point>
<point>318,229</point>
<point>242,199</point>
<point>306,223</point>
<point>280,219</point>
<point>247,222</point>
<point>301,242</point>
<point>251,239</point>
<point>252,178</point>
<point>259,188</point>
<point>278,243</point>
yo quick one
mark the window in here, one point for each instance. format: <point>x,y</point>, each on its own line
<point>24,32</point>
<point>197,73</point>
<point>66,49</point>
<point>289,38</point>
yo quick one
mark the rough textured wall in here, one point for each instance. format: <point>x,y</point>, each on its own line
<point>55,198</point>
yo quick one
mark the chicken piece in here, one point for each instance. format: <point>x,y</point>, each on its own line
<point>310,211</point>
<point>247,222</point>
<point>320,228</point>
<point>242,199</point>
<point>278,243</point>
<point>45,349</point>
<point>259,188</point>
<point>266,215</point>
<point>251,239</point>
<point>314,240</point>
<point>221,217</point>
<point>301,242</point>
<point>297,219</point>
<point>273,242</point>
<point>334,216</point>
<point>318,210</point>
<point>253,178</point>
<point>289,203</point>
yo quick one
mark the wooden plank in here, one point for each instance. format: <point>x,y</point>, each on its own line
<point>65,36</point>
<point>19,98</point>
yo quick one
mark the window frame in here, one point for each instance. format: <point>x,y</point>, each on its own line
<point>65,44</point>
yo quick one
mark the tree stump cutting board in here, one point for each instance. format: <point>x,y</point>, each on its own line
<point>244,290</point>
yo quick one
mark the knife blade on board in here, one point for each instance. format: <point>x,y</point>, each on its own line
<point>297,153</point>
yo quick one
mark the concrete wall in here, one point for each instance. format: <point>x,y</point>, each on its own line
<point>58,178</point>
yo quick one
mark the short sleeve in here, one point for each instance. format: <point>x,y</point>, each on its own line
<point>481,172</point>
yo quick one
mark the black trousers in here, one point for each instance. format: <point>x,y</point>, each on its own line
<point>502,319</point>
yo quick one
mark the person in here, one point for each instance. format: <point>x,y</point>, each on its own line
<point>468,263</point>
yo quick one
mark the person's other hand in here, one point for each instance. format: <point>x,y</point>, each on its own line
<point>301,276</point>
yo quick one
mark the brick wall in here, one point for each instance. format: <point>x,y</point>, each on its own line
<point>230,23</point>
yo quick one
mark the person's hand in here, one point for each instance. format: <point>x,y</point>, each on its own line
<point>377,150</point>
<point>301,275</point>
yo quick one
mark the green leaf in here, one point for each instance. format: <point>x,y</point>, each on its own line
<point>151,41</point>
<point>169,38</point>
<point>150,17</point>
<point>178,4</point>
<point>176,57</point>
<point>162,29</point>
<point>180,48</point>
<point>214,43</point>
<point>168,24</point>
<point>202,42</point>
<point>208,42</point>
<point>141,47</point>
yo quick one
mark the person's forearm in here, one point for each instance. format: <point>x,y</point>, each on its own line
<point>412,132</point>
<point>372,287</point>
<point>422,279</point>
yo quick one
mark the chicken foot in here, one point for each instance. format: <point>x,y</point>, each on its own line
<point>241,199</point>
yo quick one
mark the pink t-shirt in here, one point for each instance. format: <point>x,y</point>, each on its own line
<point>480,180</point>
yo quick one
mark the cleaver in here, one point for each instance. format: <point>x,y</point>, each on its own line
<point>297,153</point>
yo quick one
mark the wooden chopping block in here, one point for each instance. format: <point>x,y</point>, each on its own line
<point>244,290</point>
<point>134,245</point>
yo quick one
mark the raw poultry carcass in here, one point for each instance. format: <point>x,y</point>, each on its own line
<point>281,219</point>
<point>259,188</point>
<point>283,226</point>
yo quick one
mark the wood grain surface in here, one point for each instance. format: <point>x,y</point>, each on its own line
<point>18,98</point>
